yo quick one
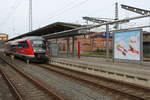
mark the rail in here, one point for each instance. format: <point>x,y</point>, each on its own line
<point>33,80</point>
<point>12,86</point>
<point>127,90</point>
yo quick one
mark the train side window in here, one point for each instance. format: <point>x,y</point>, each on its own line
<point>20,45</point>
<point>23,44</point>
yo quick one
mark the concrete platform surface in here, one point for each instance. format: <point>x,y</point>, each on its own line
<point>138,73</point>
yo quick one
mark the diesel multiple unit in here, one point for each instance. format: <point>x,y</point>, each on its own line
<point>29,48</point>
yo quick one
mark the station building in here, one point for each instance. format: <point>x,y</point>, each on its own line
<point>94,41</point>
<point>146,44</point>
<point>3,36</point>
<point>67,41</point>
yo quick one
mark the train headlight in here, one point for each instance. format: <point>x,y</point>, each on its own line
<point>35,50</point>
<point>39,50</point>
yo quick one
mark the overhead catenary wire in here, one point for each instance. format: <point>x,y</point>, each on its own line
<point>64,7</point>
<point>94,26</point>
<point>69,6</point>
<point>11,13</point>
<point>94,11</point>
<point>68,9</point>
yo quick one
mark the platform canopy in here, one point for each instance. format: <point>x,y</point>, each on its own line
<point>50,29</point>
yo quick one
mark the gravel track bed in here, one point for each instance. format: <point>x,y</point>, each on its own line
<point>28,90</point>
<point>5,93</point>
<point>69,89</point>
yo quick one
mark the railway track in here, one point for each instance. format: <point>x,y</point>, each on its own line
<point>26,87</point>
<point>6,91</point>
<point>64,86</point>
<point>124,90</point>
<point>12,86</point>
<point>120,90</point>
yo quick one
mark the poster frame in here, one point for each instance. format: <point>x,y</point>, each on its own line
<point>141,46</point>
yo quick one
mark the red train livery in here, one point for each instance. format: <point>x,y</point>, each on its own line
<point>29,48</point>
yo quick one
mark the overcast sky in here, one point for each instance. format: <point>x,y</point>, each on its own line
<point>14,14</point>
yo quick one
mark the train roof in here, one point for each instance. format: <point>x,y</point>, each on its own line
<point>33,38</point>
<point>26,38</point>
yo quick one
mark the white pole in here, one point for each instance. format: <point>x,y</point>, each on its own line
<point>30,15</point>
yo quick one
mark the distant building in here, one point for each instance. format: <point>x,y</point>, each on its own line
<point>89,42</point>
<point>146,44</point>
<point>93,41</point>
<point>3,36</point>
<point>146,38</point>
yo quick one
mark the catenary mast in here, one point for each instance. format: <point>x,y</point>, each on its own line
<point>30,15</point>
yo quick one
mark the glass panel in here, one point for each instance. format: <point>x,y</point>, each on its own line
<point>38,44</point>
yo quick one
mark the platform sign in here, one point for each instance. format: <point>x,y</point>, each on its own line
<point>127,45</point>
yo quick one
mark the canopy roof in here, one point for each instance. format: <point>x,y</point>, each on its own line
<point>50,29</point>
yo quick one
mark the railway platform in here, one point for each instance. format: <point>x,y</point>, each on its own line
<point>134,73</point>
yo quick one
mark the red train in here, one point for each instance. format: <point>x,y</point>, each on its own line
<point>29,48</point>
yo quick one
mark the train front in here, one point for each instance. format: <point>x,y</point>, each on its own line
<point>39,49</point>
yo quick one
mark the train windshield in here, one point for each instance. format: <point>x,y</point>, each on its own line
<point>38,44</point>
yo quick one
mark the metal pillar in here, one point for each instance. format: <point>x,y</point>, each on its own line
<point>141,48</point>
<point>68,46</point>
<point>56,40</point>
<point>73,46</point>
<point>116,16</point>
<point>107,41</point>
<point>92,43</point>
<point>113,46</point>
<point>57,50</point>
<point>78,48</point>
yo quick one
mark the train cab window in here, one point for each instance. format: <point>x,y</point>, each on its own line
<point>38,43</point>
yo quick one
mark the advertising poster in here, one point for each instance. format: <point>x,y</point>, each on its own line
<point>127,45</point>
